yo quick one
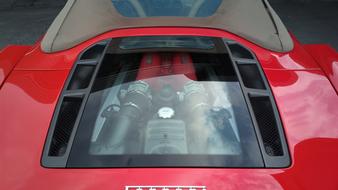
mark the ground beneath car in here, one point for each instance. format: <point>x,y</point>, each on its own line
<point>315,22</point>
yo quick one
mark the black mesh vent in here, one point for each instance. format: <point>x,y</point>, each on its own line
<point>267,125</point>
<point>251,76</point>
<point>94,52</point>
<point>64,125</point>
<point>238,51</point>
<point>81,77</point>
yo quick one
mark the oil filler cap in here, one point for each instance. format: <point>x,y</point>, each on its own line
<point>166,113</point>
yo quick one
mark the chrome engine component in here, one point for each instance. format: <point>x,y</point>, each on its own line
<point>194,96</point>
<point>166,113</point>
<point>134,102</point>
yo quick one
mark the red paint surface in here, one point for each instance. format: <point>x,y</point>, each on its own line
<point>9,57</point>
<point>305,98</point>
<point>327,58</point>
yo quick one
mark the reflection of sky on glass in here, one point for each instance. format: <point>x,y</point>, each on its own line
<point>153,8</point>
<point>166,41</point>
<point>222,95</point>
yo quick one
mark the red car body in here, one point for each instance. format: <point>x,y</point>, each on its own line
<point>304,83</point>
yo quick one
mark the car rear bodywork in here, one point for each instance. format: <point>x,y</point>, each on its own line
<point>305,97</point>
<point>303,83</point>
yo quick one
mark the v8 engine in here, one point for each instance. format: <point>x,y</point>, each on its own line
<point>165,111</point>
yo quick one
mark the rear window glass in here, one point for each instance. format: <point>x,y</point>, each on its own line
<point>145,42</point>
<point>164,108</point>
<point>157,8</point>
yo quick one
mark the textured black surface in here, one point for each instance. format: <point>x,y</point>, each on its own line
<point>81,77</point>
<point>64,125</point>
<point>251,76</point>
<point>240,52</point>
<point>93,53</point>
<point>267,125</point>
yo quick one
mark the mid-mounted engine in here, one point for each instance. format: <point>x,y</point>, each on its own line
<point>166,111</point>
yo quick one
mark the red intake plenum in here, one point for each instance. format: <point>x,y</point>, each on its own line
<point>163,66</point>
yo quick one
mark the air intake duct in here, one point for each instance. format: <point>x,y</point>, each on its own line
<point>134,101</point>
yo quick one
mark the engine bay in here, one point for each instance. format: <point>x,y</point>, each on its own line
<point>167,110</point>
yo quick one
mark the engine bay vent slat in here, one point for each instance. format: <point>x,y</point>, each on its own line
<point>239,51</point>
<point>251,76</point>
<point>265,118</point>
<point>94,52</point>
<point>64,125</point>
<point>81,77</point>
